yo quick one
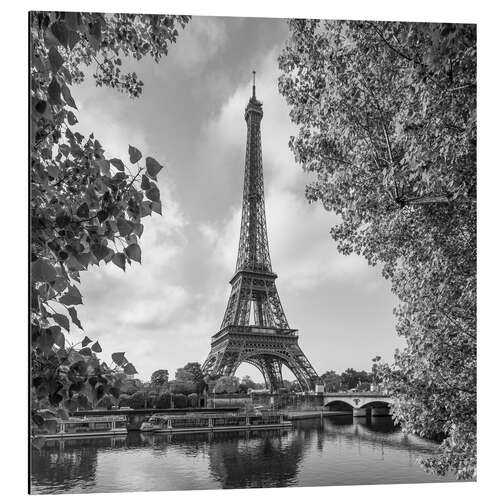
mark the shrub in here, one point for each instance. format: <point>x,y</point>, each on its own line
<point>124,400</point>
<point>192,400</point>
<point>138,400</point>
<point>163,401</point>
<point>180,401</point>
<point>107,402</point>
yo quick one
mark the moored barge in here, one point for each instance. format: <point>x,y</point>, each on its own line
<point>213,422</point>
<point>72,427</point>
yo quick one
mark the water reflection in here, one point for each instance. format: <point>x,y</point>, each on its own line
<point>334,450</point>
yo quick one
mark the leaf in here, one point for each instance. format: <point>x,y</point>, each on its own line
<point>103,166</point>
<point>156,206</point>
<point>96,347</point>
<point>145,208</point>
<point>72,297</point>
<point>42,271</point>
<point>145,184</point>
<point>138,229</point>
<point>83,211</point>
<point>129,369</point>
<point>55,59</point>
<point>85,351</point>
<point>60,31</point>
<point>73,39</point>
<point>58,337</point>
<point>86,341</point>
<point>153,193</point>
<point>124,226</point>
<point>72,120</point>
<point>119,260</point>
<point>134,153</point>
<point>152,167</point>
<point>68,97</point>
<point>118,164</point>
<point>62,320</point>
<point>95,34</point>
<point>118,358</point>
<point>134,252</point>
<point>74,317</point>
<point>54,92</point>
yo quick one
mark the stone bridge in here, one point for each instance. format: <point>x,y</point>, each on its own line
<point>362,403</point>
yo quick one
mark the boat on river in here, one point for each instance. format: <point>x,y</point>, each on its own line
<point>108,425</point>
<point>213,422</point>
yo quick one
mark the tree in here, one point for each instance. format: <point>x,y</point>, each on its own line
<point>247,383</point>
<point>124,400</point>
<point>376,377</point>
<point>181,387</point>
<point>332,381</point>
<point>180,401</point>
<point>138,400</point>
<point>350,379</point>
<point>193,400</point>
<point>164,401</point>
<point>85,208</point>
<point>227,385</point>
<point>107,402</point>
<point>129,386</point>
<point>192,376</point>
<point>159,378</point>
<point>387,124</point>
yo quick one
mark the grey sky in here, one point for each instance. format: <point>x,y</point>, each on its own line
<point>190,118</point>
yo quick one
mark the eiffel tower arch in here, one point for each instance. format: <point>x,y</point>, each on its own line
<point>254,328</point>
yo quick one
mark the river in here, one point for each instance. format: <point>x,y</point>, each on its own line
<point>334,451</point>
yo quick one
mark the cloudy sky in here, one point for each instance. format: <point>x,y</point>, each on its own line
<point>190,118</point>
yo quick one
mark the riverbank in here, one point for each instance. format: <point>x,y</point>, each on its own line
<point>305,414</point>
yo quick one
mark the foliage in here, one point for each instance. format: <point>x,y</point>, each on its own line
<point>85,208</point>
<point>138,400</point>
<point>159,378</point>
<point>181,387</point>
<point>151,399</point>
<point>332,381</point>
<point>387,124</point>
<point>107,402</point>
<point>227,385</point>
<point>247,383</point>
<point>193,400</point>
<point>351,378</point>
<point>191,373</point>
<point>129,386</point>
<point>164,400</point>
<point>180,401</point>
<point>124,400</point>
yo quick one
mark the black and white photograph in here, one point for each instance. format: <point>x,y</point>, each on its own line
<point>252,251</point>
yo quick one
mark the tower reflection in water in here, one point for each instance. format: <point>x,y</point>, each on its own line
<point>334,450</point>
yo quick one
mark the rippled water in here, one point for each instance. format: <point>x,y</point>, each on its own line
<point>338,450</point>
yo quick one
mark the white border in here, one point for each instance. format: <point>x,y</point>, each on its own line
<point>13,243</point>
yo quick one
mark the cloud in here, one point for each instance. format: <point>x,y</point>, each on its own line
<point>163,312</point>
<point>201,40</point>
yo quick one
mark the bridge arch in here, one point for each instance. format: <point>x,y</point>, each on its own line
<point>361,404</point>
<point>339,405</point>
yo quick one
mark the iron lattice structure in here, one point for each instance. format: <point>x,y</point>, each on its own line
<point>255,329</point>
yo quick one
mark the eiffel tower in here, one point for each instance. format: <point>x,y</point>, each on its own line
<point>255,329</point>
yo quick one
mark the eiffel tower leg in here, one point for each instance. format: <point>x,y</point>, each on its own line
<point>258,363</point>
<point>272,368</point>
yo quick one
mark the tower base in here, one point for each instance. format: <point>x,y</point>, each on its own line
<point>269,349</point>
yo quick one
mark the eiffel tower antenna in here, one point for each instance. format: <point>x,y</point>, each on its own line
<point>255,329</point>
